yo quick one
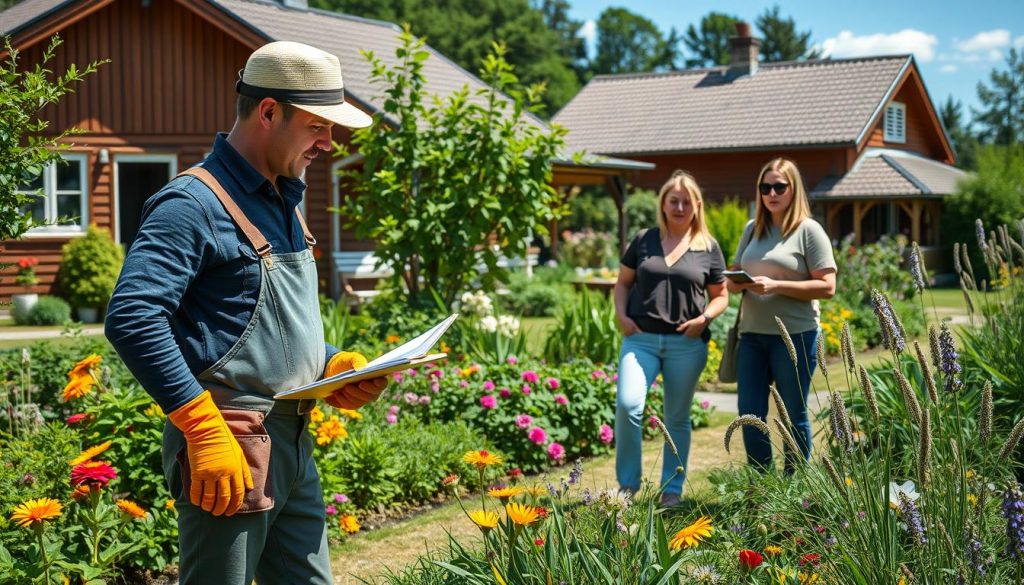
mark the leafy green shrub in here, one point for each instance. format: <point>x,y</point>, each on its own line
<point>585,330</point>
<point>536,296</point>
<point>726,221</point>
<point>588,249</point>
<point>89,268</point>
<point>641,210</point>
<point>49,311</point>
<point>592,208</point>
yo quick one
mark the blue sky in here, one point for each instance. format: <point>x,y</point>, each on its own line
<point>955,43</point>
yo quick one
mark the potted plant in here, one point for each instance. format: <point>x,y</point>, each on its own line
<point>26,278</point>
<point>88,272</point>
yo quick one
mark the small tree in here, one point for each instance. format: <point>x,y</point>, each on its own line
<point>24,152</point>
<point>450,184</point>
<point>1001,118</point>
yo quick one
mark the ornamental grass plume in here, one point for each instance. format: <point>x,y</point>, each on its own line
<point>966,258</point>
<point>917,268</point>
<point>893,334</point>
<point>790,348</point>
<point>788,439</point>
<point>744,420</point>
<point>91,453</point>
<point>909,395</point>
<point>979,232</point>
<point>933,344</point>
<point>665,436</point>
<point>868,388</point>
<point>949,360</point>
<point>1011,441</point>
<point>780,406</point>
<point>840,422</point>
<point>926,373</point>
<point>846,343</point>
<point>985,416</point>
<point>33,513</point>
<point>833,474</point>
<point>692,535</point>
<point>820,355</point>
<point>957,268</point>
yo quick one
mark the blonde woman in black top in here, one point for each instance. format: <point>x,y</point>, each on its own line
<point>669,289</point>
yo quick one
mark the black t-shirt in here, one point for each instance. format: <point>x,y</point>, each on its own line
<point>663,297</point>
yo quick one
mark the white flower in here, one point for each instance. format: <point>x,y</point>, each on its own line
<point>508,325</point>
<point>477,303</point>
<point>908,489</point>
<point>488,324</point>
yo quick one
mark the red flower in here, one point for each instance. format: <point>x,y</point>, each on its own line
<point>539,542</point>
<point>542,512</point>
<point>94,473</point>
<point>749,560</point>
<point>27,262</point>
<point>812,558</point>
<point>76,418</point>
<point>515,472</point>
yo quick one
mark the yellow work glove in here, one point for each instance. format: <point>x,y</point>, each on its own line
<point>355,395</point>
<point>220,474</point>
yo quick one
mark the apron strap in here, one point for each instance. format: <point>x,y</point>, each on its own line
<point>259,243</point>
<point>310,240</point>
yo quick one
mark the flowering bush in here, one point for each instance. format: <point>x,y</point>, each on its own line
<point>26,276</point>
<point>588,249</point>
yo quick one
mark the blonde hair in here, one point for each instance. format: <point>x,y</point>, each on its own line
<point>799,208</point>
<point>700,237</point>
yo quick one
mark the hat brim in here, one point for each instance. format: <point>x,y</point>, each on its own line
<point>344,114</point>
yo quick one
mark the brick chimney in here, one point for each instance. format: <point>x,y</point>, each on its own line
<point>743,51</point>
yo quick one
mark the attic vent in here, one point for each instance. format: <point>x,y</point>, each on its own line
<point>896,123</point>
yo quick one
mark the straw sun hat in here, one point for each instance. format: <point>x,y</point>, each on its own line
<point>303,76</point>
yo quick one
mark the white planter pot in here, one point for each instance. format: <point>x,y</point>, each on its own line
<point>88,314</point>
<point>23,303</point>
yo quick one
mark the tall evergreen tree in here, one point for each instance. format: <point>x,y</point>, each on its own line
<point>709,46</point>
<point>780,41</point>
<point>571,45</point>
<point>464,30</point>
<point>1001,119</point>
<point>628,42</point>
<point>964,143</point>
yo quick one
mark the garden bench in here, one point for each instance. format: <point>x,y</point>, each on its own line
<point>359,267</point>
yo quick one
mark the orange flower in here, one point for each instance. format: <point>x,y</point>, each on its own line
<point>506,493</point>
<point>330,430</point>
<point>81,492</point>
<point>348,413</point>
<point>35,512</point>
<point>90,453</point>
<point>481,459</point>
<point>772,550</point>
<point>169,504</point>
<point>349,523</point>
<point>692,535</point>
<point>392,339</point>
<point>520,514</point>
<point>85,367</point>
<point>78,387</point>
<point>132,509</point>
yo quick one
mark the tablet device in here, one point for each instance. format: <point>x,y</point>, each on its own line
<point>738,276</point>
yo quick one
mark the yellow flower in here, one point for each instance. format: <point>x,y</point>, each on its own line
<point>78,387</point>
<point>154,411</point>
<point>169,504</point>
<point>84,367</point>
<point>316,415</point>
<point>485,520</point>
<point>809,578</point>
<point>521,514</point>
<point>901,581</point>
<point>34,512</point>
<point>504,494</point>
<point>826,327</point>
<point>91,452</point>
<point>772,550</point>
<point>969,474</point>
<point>467,372</point>
<point>849,481</point>
<point>972,499</point>
<point>536,491</point>
<point>497,576</point>
<point>330,430</point>
<point>692,534</point>
<point>352,414</point>
<point>481,459</point>
<point>349,523</point>
<point>131,509</point>
<point>445,348</point>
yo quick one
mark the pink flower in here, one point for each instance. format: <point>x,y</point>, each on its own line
<point>561,400</point>
<point>615,378</point>
<point>537,435</point>
<point>391,419</point>
<point>341,498</point>
<point>606,435</point>
<point>512,360</point>
<point>556,451</point>
<point>599,375</point>
<point>553,383</point>
<point>393,409</point>
<point>463,383</point>
<point>331,510</point>
<point>488,401</point>
<point>436,373</point>
<point>397,377</point>
<point>526,389</point>
<point>412,373</point>
<point>488,385</point>
<point>435,387</point>
<point>504,392</point>
<point>530,376</point>
<point>411,398</point>
<point>705,404</point>
<point>425,399</point>
<point>652,422</point>
<point>76,418</point>
<point>523,421</point>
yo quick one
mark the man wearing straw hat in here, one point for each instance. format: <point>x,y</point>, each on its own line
<point>216,309</point>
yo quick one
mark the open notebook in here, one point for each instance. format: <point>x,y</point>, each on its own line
<point>412,353</point>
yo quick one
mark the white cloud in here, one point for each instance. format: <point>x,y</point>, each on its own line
<point>950,68</point>
<point>985,41</point>
<point>1019,42</point>
<point>588,32</point>
<point>921,44</point>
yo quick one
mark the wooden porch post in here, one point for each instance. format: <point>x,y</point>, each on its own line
<point>618,190</point>
<point>915,220</point>
<point>857,215</point>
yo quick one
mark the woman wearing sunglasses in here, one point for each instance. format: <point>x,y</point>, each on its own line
<point>789,256</point>
<point>670,287</point>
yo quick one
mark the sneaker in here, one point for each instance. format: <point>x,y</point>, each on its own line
<point>669,500</point>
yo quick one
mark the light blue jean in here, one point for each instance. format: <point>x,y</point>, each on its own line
<point>680,360</point>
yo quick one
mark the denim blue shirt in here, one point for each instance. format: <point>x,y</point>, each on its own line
<point>191,279</point>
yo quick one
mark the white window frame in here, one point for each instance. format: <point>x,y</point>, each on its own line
<point>50,194</point>
<point>133,158</point>
<point>895,123</point>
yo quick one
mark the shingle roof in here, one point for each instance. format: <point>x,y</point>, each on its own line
<point>796,103</point>
<point>24,12</point>
<point>880,173</point>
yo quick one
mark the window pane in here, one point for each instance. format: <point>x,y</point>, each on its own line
<point>33,185</point>
<point>69,209</point>
<point>69,176</point>
<point>37,208</point>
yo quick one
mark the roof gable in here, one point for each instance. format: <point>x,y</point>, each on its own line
<point>889,173</point>
<point>793,104</point>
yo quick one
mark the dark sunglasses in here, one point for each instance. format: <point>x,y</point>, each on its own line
<point>766,188</point>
